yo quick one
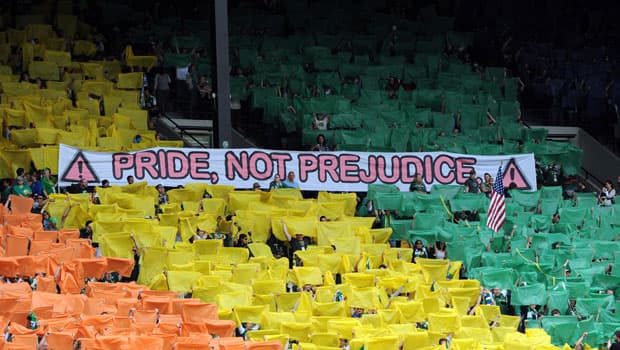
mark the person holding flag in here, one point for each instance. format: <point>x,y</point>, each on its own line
<point>497,207</point>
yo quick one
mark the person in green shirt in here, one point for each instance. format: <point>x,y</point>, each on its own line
<point>21,188</point>
<point>48,183</point>
<point>276,183</point>
<point>417,185</point>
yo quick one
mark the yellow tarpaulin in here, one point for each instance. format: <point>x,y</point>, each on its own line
<point>130,81</point>
<point>44,70</point>
<point>61,58</point>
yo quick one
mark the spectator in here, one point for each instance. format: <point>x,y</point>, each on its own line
<point>49,223</point>
<point>419,250</point>
<point>35,184</point>
<point>86,232</point>
<point>300,242</point>
<point>130,180</point>
<point>39,204</point>
<point>445,342</point>
<point>417,185</point>
<point>256,187</point>
<point>161,194</point>
<point>487,185</point>
<point>608,194</point>
<point>579,342</point>
<point>162,90</point>
<point>276,183</point>
<point>136,266</point>
<point>21,188</point>
<point>80,187</point>
<point>47,182</point>
<point>616,344</point>
<point>242,241</point>
<point>321,144</point>
<point>320,121</point>
<point>290,181</point>
<point>472,185</point>
<point>105,184</point>
<point>440,250</point>
<point>6,190</point>
<point>149,104</point>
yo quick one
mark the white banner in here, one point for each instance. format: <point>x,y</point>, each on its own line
<point>314,171</point>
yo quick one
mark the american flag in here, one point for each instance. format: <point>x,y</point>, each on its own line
<point>497,208</point>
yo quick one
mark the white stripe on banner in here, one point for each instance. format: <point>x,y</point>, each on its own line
<point>314,171</point>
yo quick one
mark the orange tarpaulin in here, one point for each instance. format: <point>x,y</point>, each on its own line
<point>37,247</point>
<point>92,267</point>
<point>69,233</point>
<point>8,267</point>
<point>16,245</point>
<point>199,312</point>
<point>32,265</point>
<point>46,284</point>
<point>46,235</point>
<point>120,265</point>
<point>60,340</point>
<point>70,280</point>
<point>221,328</point>
<point>20,205</point>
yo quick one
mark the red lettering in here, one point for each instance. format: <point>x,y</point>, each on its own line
<point>307,164</point>
<point>281,160</point>
<point>463,168</point>
<point>257,173</point>
<point>428,169</point>
<point>237,167</point>
<point>174,158</point>
<point>438,169</point>
<point>146,161</point>
<point>163,171</point>
<point>199,164</point>
<point>349,172</point>
<point>120,162</point>
<point>370,176</point>
<point>408,173</point>
<point>382,170</point>
<point>328,165</point>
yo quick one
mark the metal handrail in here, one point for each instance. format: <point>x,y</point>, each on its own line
<point>184,133</point>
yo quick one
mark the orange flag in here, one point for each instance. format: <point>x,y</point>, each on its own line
<point>20,205</point>
<point>92,267</point>
<point>120,265</point>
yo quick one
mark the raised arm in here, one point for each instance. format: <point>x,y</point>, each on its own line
<point>285,229</point>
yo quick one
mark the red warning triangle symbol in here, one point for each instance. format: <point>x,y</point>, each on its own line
<point>512,174</point>
<point>79,169</point>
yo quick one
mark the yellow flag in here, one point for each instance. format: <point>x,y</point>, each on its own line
<point>60,58</point>
<point>138,117</point>
<point>308,275</point>
<point>443,322</point>
<point>252,313</point>
<point>44,70</point>
<point>366,298</point>
<point>327,231</point>
<point>230,300</point>
<point>411,311</point>
<point>117,245</point>
<point>154,261</point>
<point>182,281</point>
<point>129,81</point>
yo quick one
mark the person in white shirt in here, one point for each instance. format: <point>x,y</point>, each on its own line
<point>607,195</point>
<point>320,121</point>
